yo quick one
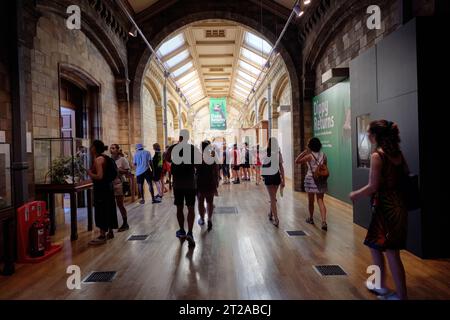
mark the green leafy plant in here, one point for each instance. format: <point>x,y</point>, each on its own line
<point>61,170</point>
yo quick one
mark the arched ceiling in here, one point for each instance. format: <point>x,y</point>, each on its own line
<point>140,5</point>
<point>214,58</point>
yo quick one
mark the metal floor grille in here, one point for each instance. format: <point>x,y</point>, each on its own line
<point>330,270</point>
<point>100,276</point>
<point>296,233</point>
<point>226,210</point>
<point>138,237</point>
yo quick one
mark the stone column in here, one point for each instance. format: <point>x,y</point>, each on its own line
<point>275,115</point>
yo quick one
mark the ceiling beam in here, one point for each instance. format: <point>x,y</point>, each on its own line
<point>216,66</point>
<point>262,54</point>
<point>217,74</point>
<point>220,55</point>
<point>174,53</point>
<point>185,73</point>
<point>215,43</point>
<point>179,65</point>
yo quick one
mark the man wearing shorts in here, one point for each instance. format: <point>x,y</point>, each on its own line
<point>142,162</point>
<point>184,185</point>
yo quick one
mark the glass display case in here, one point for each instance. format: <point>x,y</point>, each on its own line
<point>5,176</point>
<point>364,147</point>
<point>61,160</point>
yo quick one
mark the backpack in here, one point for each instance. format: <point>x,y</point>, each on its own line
<point>111,170</point>
<point>321,173</point>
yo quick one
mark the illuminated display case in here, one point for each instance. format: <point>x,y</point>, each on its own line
<point>61,160</point>
<point>364,146</point>
<point>5,176</point>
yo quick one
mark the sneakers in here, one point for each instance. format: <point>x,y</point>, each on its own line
<point>190,239</point>
<point>379,291</point>
<point>123,228</point>
<point>209,225</point>
<point>181,234</point>
<point>201,221</point>
<point>236,182</point>
<point>142,201</point>
<point>156,200</point>
<point>392,296</point>
<point>98,241</point>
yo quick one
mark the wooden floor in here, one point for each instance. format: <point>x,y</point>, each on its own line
<point>243,257</point>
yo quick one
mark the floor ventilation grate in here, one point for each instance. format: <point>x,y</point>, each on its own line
<point>226,210</point>
<point>296,233</point>
<point>138,237</point>
<point>100,276</point>
<point>330,270</point>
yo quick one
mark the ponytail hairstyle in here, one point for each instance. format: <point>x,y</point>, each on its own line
<point>99,146</point>
<point>387,136</point>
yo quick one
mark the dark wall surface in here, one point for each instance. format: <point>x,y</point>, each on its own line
<point>384,85</point>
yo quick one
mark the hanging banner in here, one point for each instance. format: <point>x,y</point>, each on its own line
<point>218,113</point>
<point>332,125</point>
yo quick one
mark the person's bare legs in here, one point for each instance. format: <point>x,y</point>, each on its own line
<point>322,208</point>
<point>311,205</point>
<point>123,211</point>
<point>378,260</point>
<point>180,216</point>
<point>272,190</point>
<point>191,218</point>
<point>398,273</point>
<point>258,175</point>
<point>201,205</point>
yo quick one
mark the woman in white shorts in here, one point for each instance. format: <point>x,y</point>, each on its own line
<point>124,167</point>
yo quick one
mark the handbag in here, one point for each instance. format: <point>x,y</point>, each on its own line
<point>321,173</point>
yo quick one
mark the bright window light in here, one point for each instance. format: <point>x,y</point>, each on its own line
<point>183,55</point>
<point>246,76</point>
<point>193,90</point>
<point>189,85</point>
<point>249,68</point>
<point>187,78</point>
<point>244,90</point>
<point>253,57</point>
<point>171,45</point>
<point>182,69</point>
<point>257,43</point>
<point>243,83</point>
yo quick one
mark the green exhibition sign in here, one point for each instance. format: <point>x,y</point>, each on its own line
<point>218,113</point>
<point>332,125</point>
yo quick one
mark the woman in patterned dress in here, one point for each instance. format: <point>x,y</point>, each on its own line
<point>313,157</point>
<point>388,227</point>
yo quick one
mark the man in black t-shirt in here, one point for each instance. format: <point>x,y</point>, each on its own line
<point>184,184</point>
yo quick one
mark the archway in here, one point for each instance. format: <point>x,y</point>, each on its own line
<point>177,16</point>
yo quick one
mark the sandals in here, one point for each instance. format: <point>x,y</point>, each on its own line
<point>310,221</point>
<point>270,216</point>
<point>324,226</point>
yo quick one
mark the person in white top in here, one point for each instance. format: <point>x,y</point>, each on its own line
<point>124,167</point>
<point>313,157</point>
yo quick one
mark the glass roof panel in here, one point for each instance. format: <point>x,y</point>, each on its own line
<point>171,45</point>
<point>246,76</point>
<point>183,55</point>
<point>259,60</point>
<point>249,67</point>
<point>182,69</point>
<point>257,43</point>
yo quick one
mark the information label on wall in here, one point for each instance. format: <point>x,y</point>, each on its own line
<point>218,113</point>
<point>332,125</point>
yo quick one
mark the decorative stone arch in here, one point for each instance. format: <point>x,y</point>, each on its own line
<point>177,15</point>
<point>152,88</point>
<point>252,117</point>
<point>279,88</point>
<point>184,119</point>
<point>262,108</point>
<point>173,109</point>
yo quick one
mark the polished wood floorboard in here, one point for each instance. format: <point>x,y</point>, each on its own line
<point>243,257</point>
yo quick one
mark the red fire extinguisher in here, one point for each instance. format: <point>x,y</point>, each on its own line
<point>48,240</point>
<point>37,239</point>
